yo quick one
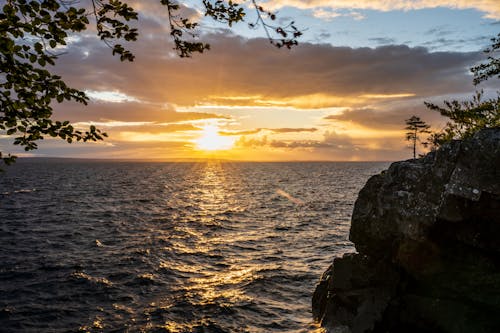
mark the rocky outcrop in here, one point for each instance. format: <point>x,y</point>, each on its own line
<point>427,235</point>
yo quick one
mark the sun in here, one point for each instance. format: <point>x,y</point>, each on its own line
<point>210,140</point>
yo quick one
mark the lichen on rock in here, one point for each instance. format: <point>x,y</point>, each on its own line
<point>427,235</point>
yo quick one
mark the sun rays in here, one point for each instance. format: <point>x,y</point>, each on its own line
<point>211,140</point>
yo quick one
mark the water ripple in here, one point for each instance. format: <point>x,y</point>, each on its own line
<point>170,247</point>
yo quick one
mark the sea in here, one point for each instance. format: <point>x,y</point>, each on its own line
<point>212,246</point>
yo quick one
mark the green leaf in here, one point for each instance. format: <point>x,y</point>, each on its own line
<point>38,47</point>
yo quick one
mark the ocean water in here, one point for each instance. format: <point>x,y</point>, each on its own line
<point>170,247</point>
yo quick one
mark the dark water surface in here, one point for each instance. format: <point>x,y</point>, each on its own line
<point>170,247</point>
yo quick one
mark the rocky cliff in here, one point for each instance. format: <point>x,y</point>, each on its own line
<point>427,235</point>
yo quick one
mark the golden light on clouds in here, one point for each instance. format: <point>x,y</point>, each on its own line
<point>319,101</point>
<point>210,140</point>
<point>110,96</point>
<point>129,136</point>
<point>309,101</point>
<point>384,96</point>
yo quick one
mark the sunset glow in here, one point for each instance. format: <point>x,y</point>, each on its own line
<point>210,140</point>
<point>342,94</point>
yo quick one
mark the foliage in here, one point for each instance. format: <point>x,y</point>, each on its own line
<point>490,69</point>
<point>31,33</point>
<point>468,117</point>
<point>415,127</point>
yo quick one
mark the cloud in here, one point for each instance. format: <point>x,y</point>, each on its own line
<point>391,119</point>
<point>110,96</point>
<point>439,31</point>
<point>382,40</point>
<point>491,8</point>
<point>151,128</point>
<point>324,35</point>
<point>326,15</point>
<point>128,112</point>
<point>154,12</point>
<point>310,75</point>
<point>459,43</point>
<point>356,15</point>
<point>244,132</point>
<point>340,141</point>
<point>333,146</point>
<point>273,130</point>
<point>150,99</point>
<point>119,150</point>
<point>299,144</point>
<point>332,140</point>
<point>387,96</point>
<point>292,130</point>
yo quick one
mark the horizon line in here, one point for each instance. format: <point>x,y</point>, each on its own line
<point>194,159</point>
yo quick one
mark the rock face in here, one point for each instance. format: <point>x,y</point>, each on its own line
<point>427,232</point>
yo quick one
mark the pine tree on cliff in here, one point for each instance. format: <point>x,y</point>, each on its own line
<point>490,69</point>
<point>415,127</point>
<point>468,117</point>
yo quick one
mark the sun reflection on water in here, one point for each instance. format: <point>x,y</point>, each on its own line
<point>213,198</point>
<point>222,281</point>
<point>224,265</point>
<point>211,186</point>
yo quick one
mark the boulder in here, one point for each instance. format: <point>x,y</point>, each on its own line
<point>427,235</point>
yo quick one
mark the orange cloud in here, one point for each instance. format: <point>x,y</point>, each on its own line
<point>309,76</point>
<point>274,130</point>
<point>154,97</point>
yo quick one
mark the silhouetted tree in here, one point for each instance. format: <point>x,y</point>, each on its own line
<point>490,69</point>
<point>31,31</point>
<point>468,117</point>
<point>415,127</point>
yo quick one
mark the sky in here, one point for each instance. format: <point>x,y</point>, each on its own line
<point>360,69</point>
